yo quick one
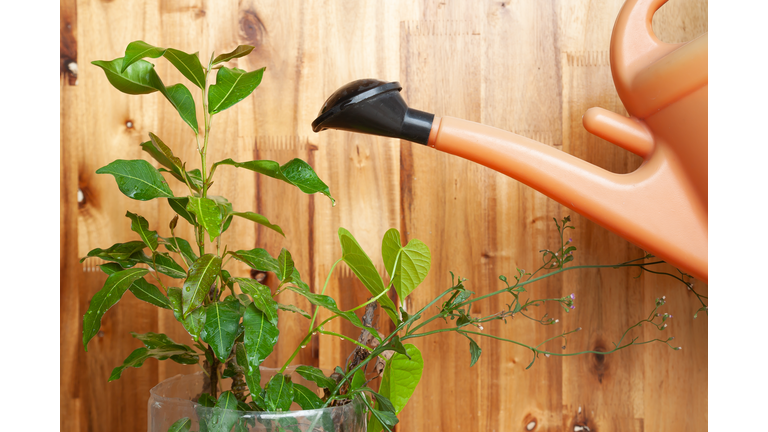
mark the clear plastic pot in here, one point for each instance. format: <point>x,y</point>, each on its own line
<point>171,400</point>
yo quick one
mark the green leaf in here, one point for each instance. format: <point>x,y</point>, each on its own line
<point>192,176</point>
<point>259,219</point>
<point>188,64</point>
<point>317,376</point>
<point>222,326</point>
<point>260,336</point>
<point>296,280</point>
<point>137,179</point>
<point>401,376</point>
<point>284,265</point>
<point>178,95</point>
<point>108,296</point>
<point>386,418</point>
<point>409,264</point>
<point>257,259</point>
<point>138,78</point>
<point>279,393</point>
<point>224,413</point>
<point>207,213</point>
<point>155,340</point>
<point>240,51</point>
<point>194,322</point>
<point>330,304</point>
<point>202,275</point>
<point>196,178</point>
<point>296,172</point>
<point>404,314</point>
<point>139,356</point>
<point>227,280</point>
<point>242,406</point>
<point>181,99</point>
<point>119,252</point>
<point>258,401</point>
<point>304,177</point>
<point>179,205</point>
<point>207,400</point>
<point>244,299</point>
<point>142,289</point>
<point>517,308</point>
<point>232,86</point>
<point>306,398</point>
<point>149,293</point>
<point>358,380</point>
<point>294,309</point>
<point>181,425</point>
<point>164,155</point>
<point>252,375</point>
<point>461,296</point>
<point>474,352</point>
<point>363,267</point>
<point>163,263</point>
<point>181,246</point>
<point>225,209</point>
<point>138,50</point>
<point>395,345</point>
<point>383,403</point>
<point>141,226</point>
<point>262,297</point>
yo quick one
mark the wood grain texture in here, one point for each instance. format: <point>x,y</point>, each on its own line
<point>531,67</point>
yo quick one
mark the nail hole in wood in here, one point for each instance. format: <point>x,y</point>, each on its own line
<point>259,276</point>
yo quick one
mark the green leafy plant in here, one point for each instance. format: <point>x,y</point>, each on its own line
<point>233,321</point>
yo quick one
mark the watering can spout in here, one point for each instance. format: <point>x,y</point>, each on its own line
<point>374,107</point>
<point>661,207</point>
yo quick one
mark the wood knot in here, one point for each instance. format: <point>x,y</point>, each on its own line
<point>598,365</point>
<point>252,29</point>
<point>258,275</point>
<point>530,422</point>
<point>80,198</point>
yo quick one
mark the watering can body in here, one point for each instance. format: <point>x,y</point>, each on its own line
<point>661,207</point>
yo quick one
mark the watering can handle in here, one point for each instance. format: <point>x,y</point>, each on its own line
<point>633,42</point>
<point>646,77</point>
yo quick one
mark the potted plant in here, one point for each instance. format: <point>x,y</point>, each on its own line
<point>233,320</point>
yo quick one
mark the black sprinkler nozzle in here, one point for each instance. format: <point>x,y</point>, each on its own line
<point>374,107</point>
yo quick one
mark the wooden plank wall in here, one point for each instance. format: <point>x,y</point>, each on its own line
<point>529,66</point>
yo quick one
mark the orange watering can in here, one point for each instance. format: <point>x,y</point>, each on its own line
<point>661,207</point>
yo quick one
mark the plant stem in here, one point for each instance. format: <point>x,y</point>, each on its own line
<point>213,372</point>
<point>329,333</point>
<point>327,279</point>
<point>560,270</point>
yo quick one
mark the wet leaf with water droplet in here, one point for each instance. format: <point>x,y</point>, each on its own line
<point>202,275</point>
<point>115,286</point>
<point>279,393</point>
<point>222,326</point>
<point>137,179</point>
<point>296,172</point>
<point>260,336</point>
